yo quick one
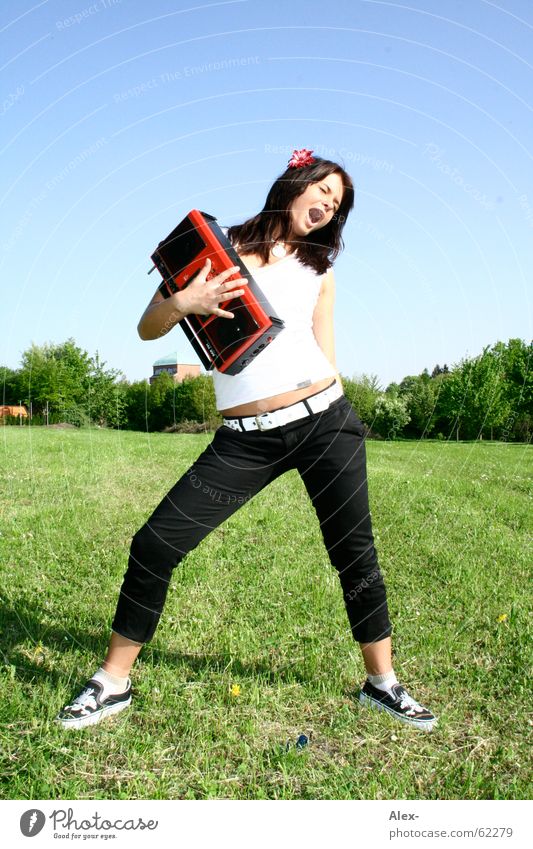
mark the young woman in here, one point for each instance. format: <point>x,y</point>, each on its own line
<point>285,410</point>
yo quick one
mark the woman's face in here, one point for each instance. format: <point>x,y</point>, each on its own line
<point>316,206</point>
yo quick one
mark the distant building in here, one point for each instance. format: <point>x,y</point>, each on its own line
<point>14,410</point>
<point>179,371</point>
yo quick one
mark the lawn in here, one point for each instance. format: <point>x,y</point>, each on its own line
<point>258,605</point>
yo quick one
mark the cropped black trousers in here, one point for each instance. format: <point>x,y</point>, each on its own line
<point>328,450</point>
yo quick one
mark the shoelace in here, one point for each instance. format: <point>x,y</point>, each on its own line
<point>406,701</point>
<point>85,703</point>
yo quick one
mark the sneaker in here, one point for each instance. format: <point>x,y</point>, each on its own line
<point>89,707</point>
<point>401,705</point>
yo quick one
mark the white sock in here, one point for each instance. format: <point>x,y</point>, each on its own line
<point>112,684</point>
<point>384,681</point>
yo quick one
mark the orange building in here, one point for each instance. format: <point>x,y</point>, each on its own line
<point>14,410</point>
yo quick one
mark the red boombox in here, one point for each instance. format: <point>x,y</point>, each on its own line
<point>230,344</point>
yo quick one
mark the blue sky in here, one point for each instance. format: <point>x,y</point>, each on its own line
<point>119,116</point>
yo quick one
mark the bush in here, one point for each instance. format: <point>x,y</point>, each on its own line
<point>391,416</point>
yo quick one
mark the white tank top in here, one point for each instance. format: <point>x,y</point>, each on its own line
<point>294,358</point>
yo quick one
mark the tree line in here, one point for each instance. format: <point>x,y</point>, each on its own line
<point>489,396</point>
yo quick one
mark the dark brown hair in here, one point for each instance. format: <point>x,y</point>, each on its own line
<point>320,247</point>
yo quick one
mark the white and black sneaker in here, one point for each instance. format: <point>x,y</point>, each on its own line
<point>399,704</point>
<point>89,708</point>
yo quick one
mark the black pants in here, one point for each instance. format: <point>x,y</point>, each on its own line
<point>328,450</point>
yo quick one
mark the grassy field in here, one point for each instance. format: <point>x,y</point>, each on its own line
<point>258,605</point>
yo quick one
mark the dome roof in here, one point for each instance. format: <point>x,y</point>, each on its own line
<point>173,359</point>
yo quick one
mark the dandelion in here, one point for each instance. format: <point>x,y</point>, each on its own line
<point>235,690</point>
<point>502,617</point>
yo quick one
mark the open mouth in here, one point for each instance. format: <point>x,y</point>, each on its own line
<point>315,215</point>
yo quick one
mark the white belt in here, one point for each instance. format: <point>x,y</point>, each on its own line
<point>266,421</point>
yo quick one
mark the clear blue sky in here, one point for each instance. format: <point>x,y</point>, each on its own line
<point>118,116</point>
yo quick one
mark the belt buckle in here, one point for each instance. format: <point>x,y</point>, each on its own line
<point>268,422</point>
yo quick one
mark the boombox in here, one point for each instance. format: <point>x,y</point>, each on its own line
<point>229,344</point>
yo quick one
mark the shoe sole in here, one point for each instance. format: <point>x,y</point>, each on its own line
<point>93,718</point>
<point>422,724</point>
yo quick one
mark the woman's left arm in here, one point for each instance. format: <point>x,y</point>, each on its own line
<point>323,320</point>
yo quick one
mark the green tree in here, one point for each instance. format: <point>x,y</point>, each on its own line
<point>409,384</point>
<point>517,362</point>
<point>161,406</point>
<point>489,406</point>
<point>105,396</point>
<point>440,419</point>
<point>73,387</point>
<point>473,397</point>
<point>362,393</point>
<point>419,395</point>
<point>195,400</point>
<point>56,376</point>
<point>11,389</point>
<point>136,405</point>
<point>452,402</point>
<point>165,402</point>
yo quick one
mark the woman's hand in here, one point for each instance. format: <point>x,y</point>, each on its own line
<point>202,296</point>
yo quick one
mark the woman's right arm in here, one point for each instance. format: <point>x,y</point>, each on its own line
<point>160,316</point>
<point>201,297</point>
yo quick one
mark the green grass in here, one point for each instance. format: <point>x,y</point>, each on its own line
<point>257,604</point>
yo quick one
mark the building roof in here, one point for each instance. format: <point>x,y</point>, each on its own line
<point>172,360</point>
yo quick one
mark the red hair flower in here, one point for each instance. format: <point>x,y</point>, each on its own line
<point>300,158</point>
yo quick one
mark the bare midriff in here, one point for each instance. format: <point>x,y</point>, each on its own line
<point>284,399</point>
